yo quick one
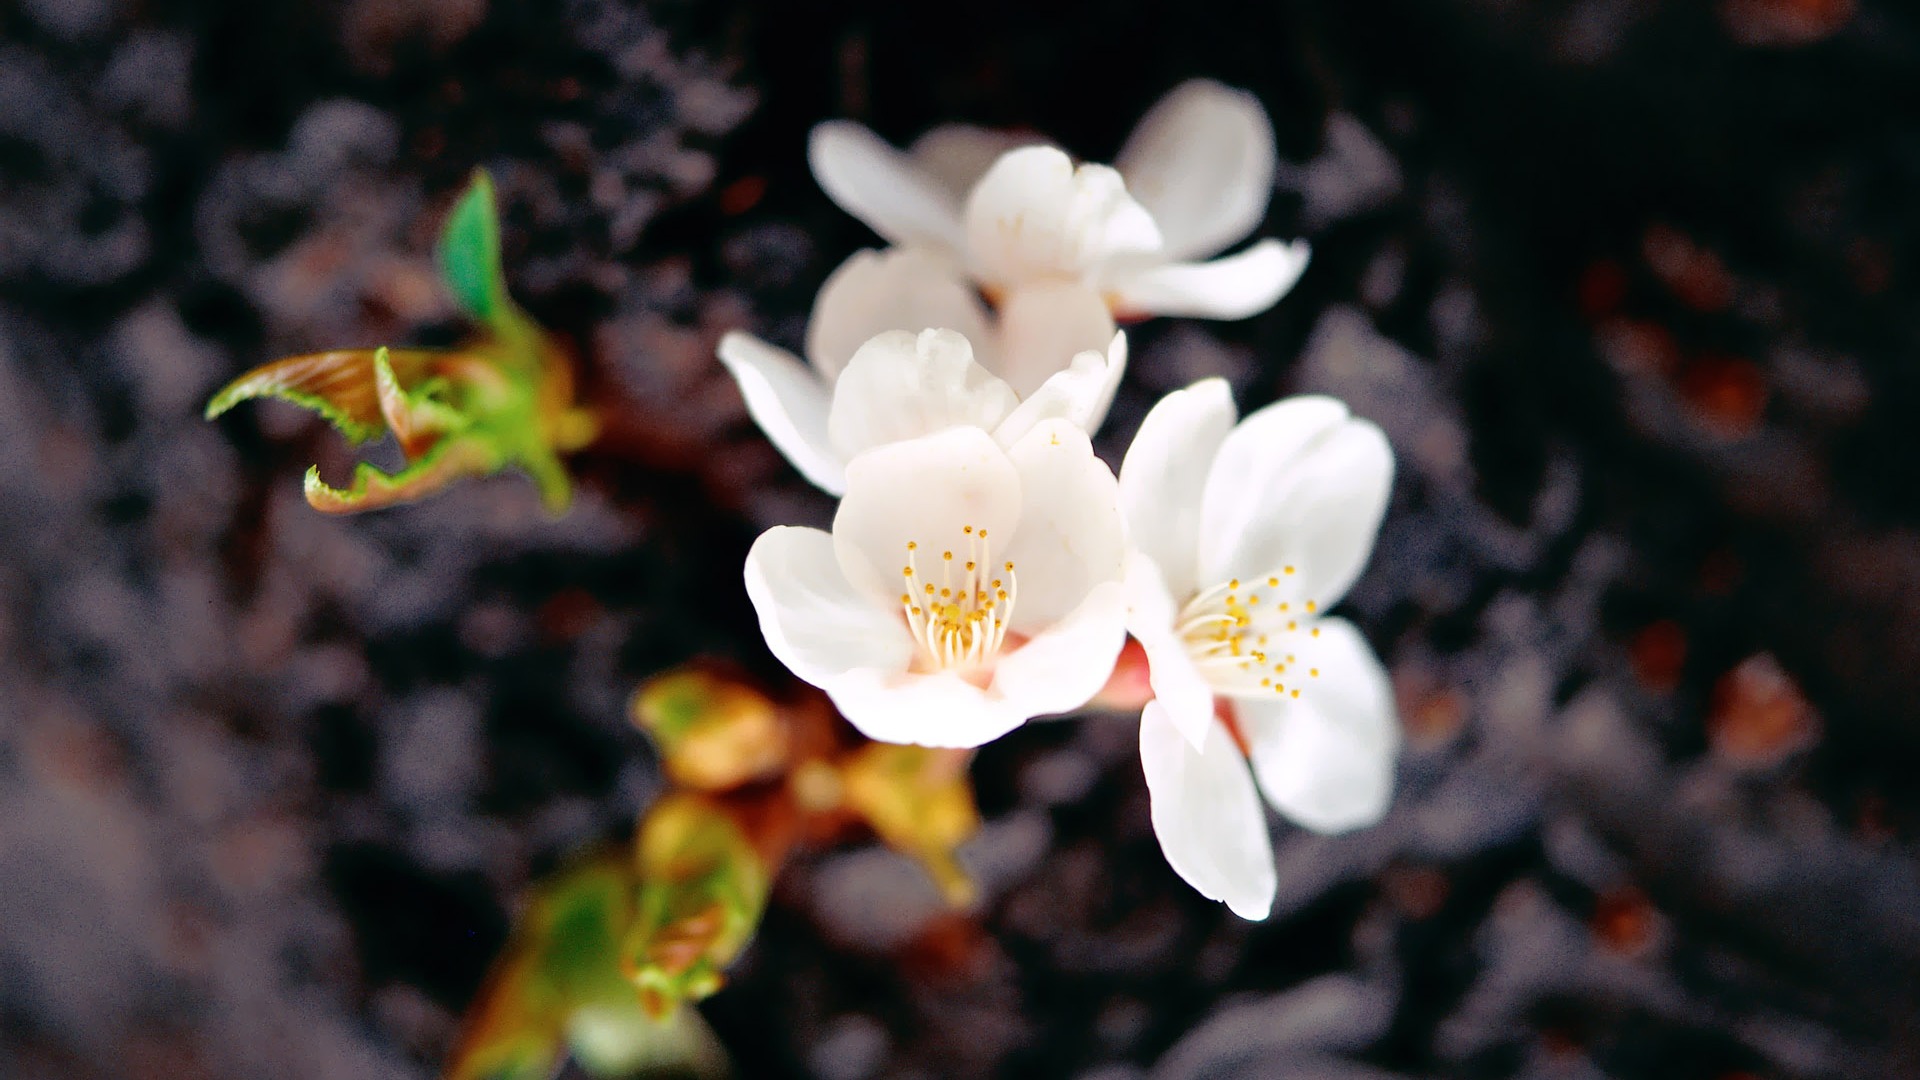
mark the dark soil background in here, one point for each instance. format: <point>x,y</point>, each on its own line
<point>1632,287</point>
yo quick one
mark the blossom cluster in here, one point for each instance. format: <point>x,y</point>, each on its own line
<point>984,567</point>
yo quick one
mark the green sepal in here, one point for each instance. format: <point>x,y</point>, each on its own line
<point>469,255</point>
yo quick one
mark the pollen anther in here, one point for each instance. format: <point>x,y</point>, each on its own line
<point>967,625</point>
<point>1225,630</point>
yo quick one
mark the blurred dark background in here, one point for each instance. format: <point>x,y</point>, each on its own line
<point>1632,287</point>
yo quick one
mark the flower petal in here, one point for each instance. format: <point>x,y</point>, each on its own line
<point>1068,395</point>
<point>958,155</point>
<point>1164,474</point>
<point>927,492</point>
<point>897,289</point>
<point>1152,615</point>
<point>1044,325</point>
<point>1233,287</point>
<point>1071,537</point>
<point>1207,815</point>
<point>1116,368</point>
<point>1326,758</point>
<point>1080,395</point>
<point>882,187</point>
<point>1060,669</point>
<point>789,402</point>
<point>1201,161</point>
<point>937,709</point>
<point>1296,484</point>
<point>815,621</point>
<point>904,385</point>
<point>1034,216</point>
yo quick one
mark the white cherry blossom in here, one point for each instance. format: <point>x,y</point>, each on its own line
<point>1244,534</point>
<point>968,584</point>
<point>1035,332</point>
<point>899,385</point>
<point>1193,178</point>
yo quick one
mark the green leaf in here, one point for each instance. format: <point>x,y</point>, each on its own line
<point>373,489</point>
<point>339,385</point>
<point>470,254</point>
<point>503,399</point>
<point>417,417</point>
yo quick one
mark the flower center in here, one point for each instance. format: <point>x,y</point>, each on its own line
<point>959,613</point>
<point>1239,638</point>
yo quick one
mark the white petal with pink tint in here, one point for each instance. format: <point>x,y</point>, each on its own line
<point>1207,815</point>
<point>1233,287</point>
<point>958,155</point>
<point>1081,394</point>
<point>1071,537</point>
<point>898,289</point>
<point>1201,161</point>
<point>964,589</point>
<point>816,621</point>
<point>1034,216</point>
<point>1297,484</point>
<point>1064,664</point>
<point>1013,211</point>
<point>882,187</point>
<point>1325,759</point>
<point>1178,684</point>
<point>902,385</point>
<point>1164,473</point>
<point>1044,323</point>
<point>936,493</point>
<point>790,403</point>
<point>938,708</point>
<point>1243,534</point>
